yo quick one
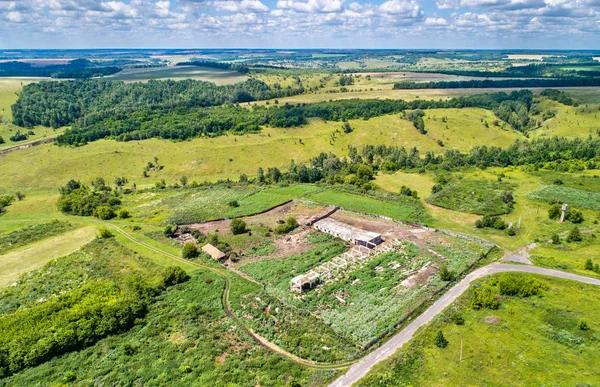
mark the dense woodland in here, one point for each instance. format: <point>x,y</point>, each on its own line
<point>78,68</point>
<point>241,68</point>
<point>489,83</point>
<point>57,104</point>
<point>99,109</point>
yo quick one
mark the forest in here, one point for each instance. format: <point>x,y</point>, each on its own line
<point>78,68</point>
<point>181,110</point>
<point>488,83</point>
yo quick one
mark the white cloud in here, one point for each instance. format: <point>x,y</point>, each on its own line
<point>312,6</point>
<point>436,21</point>
<point>401,7</point>
<point>240,5</point>
<point>14,16</point>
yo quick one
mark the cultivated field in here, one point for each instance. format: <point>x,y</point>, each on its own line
<point>218,76</point>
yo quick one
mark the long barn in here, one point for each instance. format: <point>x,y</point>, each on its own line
<point>349,233</point>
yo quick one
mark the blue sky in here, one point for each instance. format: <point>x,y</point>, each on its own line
<point>545,24</point>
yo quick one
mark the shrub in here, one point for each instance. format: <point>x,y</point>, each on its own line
<point>491,222</point>
<point>174,275</point>
<point>520,286</point>
<point>589,265</point>
<point>104,233</point>
<point>234,203</point>
<point>20,195</point>
<point>440,341</point>
<point>124,214</point>
<point>583,325</point>
<point>554,211</point>
<point>557,182</point>
<point>555,239</point>
<point>507,197</point>
<point>485,298</point>
<point>290,224</point>
<point>457,319</point>
<point>189,251</point>
<point>436,188</point>
<point>238,226</point>
<point>445,274</point>
<point>169,230</point>
<point>105,212</point>
<point>574,235</point>
<point>574,216</point>
<point>184,229</point>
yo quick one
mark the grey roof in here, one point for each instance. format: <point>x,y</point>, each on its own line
<point>345,231</point>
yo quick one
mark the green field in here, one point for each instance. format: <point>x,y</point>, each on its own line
<point>481,197</point>
<point>200,205</point>
<point>572,196</point>
<point>406,209</point>
<point>218,76</point>
<point>531,341</point>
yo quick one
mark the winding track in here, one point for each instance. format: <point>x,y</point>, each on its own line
<point>361,368</point>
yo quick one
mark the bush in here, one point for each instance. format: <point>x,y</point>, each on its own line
<point>189,251</point>
<point>436,188</point>
<point>105,212</point>
<point>519,285</point>
<point>589,265</point>
<point>175,275</point>
<point>457,319</point>
<point>491,222</point>
<point>445,274</point>
<point>124,214</point>
<point>290,224</point>
<point>554,211</point>
<point>104,233</point>
<point>234,203</point>
<point>583,325</point>
<point>574,235</point>
<point>485,298</point>
<point>555,239</point>
<point>440,341</point>
<point>574,216</point>
<point>512,232</point>
<point>238,226</point>
<point>169,230</point>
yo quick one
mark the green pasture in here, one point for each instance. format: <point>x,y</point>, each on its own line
<point>527,341</point>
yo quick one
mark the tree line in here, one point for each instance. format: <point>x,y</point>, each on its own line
<point>57,104</point>
<point>488,83</point>
<point>241,68</point>
<point>78,68</point>
<point>181,123</point>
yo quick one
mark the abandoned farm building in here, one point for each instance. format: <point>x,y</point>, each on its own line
<point>213,252</point>
<point>349,233</point>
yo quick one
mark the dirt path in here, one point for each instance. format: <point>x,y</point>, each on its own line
<point>519,256</point>
<point>360,369</point>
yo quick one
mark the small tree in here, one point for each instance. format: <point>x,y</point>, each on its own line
<point>346,127</point>
<point>440,341</point>
<point>583,325</point>
<point>105,212</point>
<point>174,275</point>
<point>234,204</point>
<point>124,214</point>
<point>238,226</point>
<point>589,265</point>
<point>574,235</point>
<point>104,233</point>
<point>445,274</point>
<point>169,230</point>
<point>20,195</point>
<point>554,211</point>
<point>555,239</point>
<point>189,251</point>
<point>183,180</point>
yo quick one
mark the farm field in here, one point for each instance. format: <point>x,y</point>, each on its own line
<point>363,303</point>
<point>495,350</point>
<point>218,76</point>
<point>33,256</point>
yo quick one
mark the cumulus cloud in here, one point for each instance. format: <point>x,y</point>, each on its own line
<point>311,6</point>
<point>240,6</point>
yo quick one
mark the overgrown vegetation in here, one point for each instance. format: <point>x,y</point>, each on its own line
<point>481,197</point>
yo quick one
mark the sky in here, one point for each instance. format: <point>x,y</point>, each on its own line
<point>494,24</point>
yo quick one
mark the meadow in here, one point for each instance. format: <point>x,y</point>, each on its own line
<point>399,208</point>
<point>516,344</point>
<point>481,197</point>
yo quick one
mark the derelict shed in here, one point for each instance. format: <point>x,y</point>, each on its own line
<point>349,233</point>
<point>213,252</point>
